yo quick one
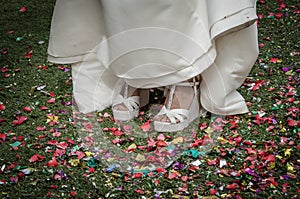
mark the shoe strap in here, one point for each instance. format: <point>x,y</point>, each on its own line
<point>132,103</point>
<point>174,114</point>
<point>126,90</point>
<point>193,84</point>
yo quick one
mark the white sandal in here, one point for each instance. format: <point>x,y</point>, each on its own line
<point>132,104</point>
<point>179,118</point>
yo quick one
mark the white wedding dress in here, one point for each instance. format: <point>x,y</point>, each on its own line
<point>154,43</point>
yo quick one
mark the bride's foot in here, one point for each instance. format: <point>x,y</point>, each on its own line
<point>180,108</point>
<point>182,99</point>
<point>127,103</point>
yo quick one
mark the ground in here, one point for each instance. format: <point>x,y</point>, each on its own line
<point>256,155</point>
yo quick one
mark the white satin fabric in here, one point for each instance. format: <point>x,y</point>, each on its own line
<point>153,43</point>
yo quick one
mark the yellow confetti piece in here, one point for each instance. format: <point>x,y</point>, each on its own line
<point>287,152</point>
<point>272,165</point>
<point>116,175</point>
<point>209,130</point>
<point>222,140</point>
<point>52,118</point>
<point>132,146</point>
<point>184,197</point>
<point>210,197</point>
<point>279,157</point>
<point>290,168</point>
<point>140,158</point>
<point>74,162</point>
<point>88,153</point>
<point>272,186</point>
<point>224,195</point>
<point>236,135</point>
<point>290,72</point>
<point>177,140</point>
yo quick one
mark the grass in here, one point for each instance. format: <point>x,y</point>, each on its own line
<point>261,153</point>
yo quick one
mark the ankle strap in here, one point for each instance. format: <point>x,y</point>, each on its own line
<point>195,82</point>
<point>189,84</point>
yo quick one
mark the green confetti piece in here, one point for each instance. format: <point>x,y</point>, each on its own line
<point>194,153</point>
<point>16,168</point>
<point>296,130</point>
<point>92,163</point>
<point>15,144</point>
<point>186,153</point>
<point>171,147</point>
<point>290,72</point>
<point>76,148</point>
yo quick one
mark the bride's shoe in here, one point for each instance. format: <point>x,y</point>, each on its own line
<point>127,106</point>
<point>178,119</point>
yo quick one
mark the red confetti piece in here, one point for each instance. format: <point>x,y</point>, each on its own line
<point>184,178</point>
<point>161,143</point>
<point>278,15</point>
<point>27,109</point>
<point>291,122</point>
<point>62,145</point>
<point>28,54</point>
<point>151,142</point>
<point>71,141</point>
<point>117,133</point>
<point>20,120</point>
<point>56,134</point>
<point>73,194</point>
<point>79,154</point>
<point>257,85</point>
<point>2,136</point>
<point>36,158</point>
<point>160,170</point>
<point>2,107</point>
<point>274,60</point>
<point>23,9</point>
<point>52,142</point>
<point>52,163</point>
<point>40,128</point>
<point>52,94</point>
<point>212,162</point>
<point>231,186</point>
<point>116,141</point>
<point>269,158</point>
<point>146,126</point>
<point>51,101</point>
<point>139,191</point>
<point>4,69</point>
<point>91,170</point>
<point>193,168</point>
<point>137,175</point>
<point>212,191</point>
<point>43,108</point>
<point>282,6</point>
<point>161,137</point>
<point>173,175</point>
